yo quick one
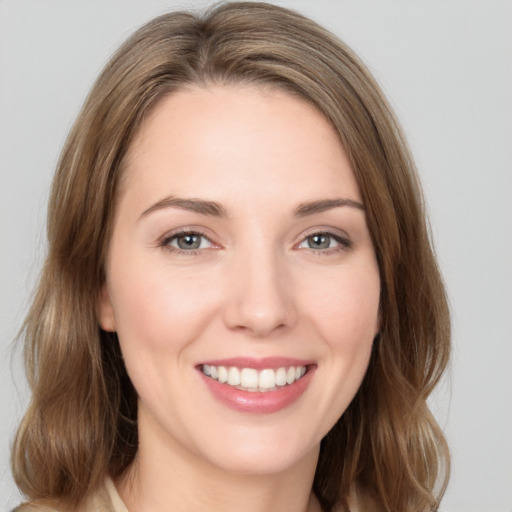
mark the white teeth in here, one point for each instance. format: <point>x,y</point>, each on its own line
<point>250,379</point>
<point>234,376</point>
<point>281,376</point>
<point>223,374</point>
<point>267,379</point>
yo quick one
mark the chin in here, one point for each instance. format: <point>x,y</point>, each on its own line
<point>254,453</point>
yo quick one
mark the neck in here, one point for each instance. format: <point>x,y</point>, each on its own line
<point>172,478</point>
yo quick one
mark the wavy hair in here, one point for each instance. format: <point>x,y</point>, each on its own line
<point>81,422</point>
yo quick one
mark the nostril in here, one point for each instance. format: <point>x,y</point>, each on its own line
<point>258,298</point>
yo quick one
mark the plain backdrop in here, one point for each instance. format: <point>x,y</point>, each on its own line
<point>446,66</point>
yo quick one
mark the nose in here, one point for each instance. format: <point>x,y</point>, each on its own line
<point>260,300</point>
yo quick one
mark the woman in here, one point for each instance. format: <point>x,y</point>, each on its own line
<point>240,307</point>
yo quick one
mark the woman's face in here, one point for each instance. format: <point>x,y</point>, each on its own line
<point>240,251</point>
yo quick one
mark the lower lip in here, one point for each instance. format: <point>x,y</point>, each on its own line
<point>258,402</point>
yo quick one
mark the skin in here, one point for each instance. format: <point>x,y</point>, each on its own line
<point>257,286</point>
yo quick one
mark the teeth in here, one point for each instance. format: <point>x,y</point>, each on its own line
<point>223,374</point>
<point>267,379</point>
<point>234,376</point>
<point>281,376</point>
<point>250,379</point>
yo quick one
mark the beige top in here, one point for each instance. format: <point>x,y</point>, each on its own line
<point>106,499</point>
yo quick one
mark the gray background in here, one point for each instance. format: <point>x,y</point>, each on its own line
<point>446,66</point>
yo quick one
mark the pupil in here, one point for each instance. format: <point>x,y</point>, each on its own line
<point>189,242</point>
<point>319,242</point>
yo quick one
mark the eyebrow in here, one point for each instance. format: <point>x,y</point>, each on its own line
<point>215,209</point>
<point>193,205</point>
<point>323,205</point>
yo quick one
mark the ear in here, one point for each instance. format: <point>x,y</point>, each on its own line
<point>105,311</point>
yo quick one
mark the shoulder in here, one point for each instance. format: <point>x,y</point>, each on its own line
<point>105,499</point>
<point>34,507</point>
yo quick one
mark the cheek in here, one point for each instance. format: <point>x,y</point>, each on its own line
<point>156,309</point>
<point>159,315</point>
<point>345,307</point>
<point>347,319</point>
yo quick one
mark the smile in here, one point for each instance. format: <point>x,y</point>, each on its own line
<point>250,379</point>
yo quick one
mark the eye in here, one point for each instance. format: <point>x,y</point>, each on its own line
<point>187,241</point>
<point>324,241</point>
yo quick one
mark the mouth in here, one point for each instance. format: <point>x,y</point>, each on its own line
<point>257,386</point>
<point>255,380</point>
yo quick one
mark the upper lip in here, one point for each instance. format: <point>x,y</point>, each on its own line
<point>258,363</point>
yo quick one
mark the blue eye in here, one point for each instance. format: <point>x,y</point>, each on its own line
<point>324,241</point>
<point>187,241</point>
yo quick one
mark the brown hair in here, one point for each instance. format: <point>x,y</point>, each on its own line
<point>81,422</point>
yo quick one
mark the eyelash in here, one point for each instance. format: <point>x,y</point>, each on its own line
<point>344,244</point>
<point>166,241</point>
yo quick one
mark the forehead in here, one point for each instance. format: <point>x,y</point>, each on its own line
<point>218,139</point>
